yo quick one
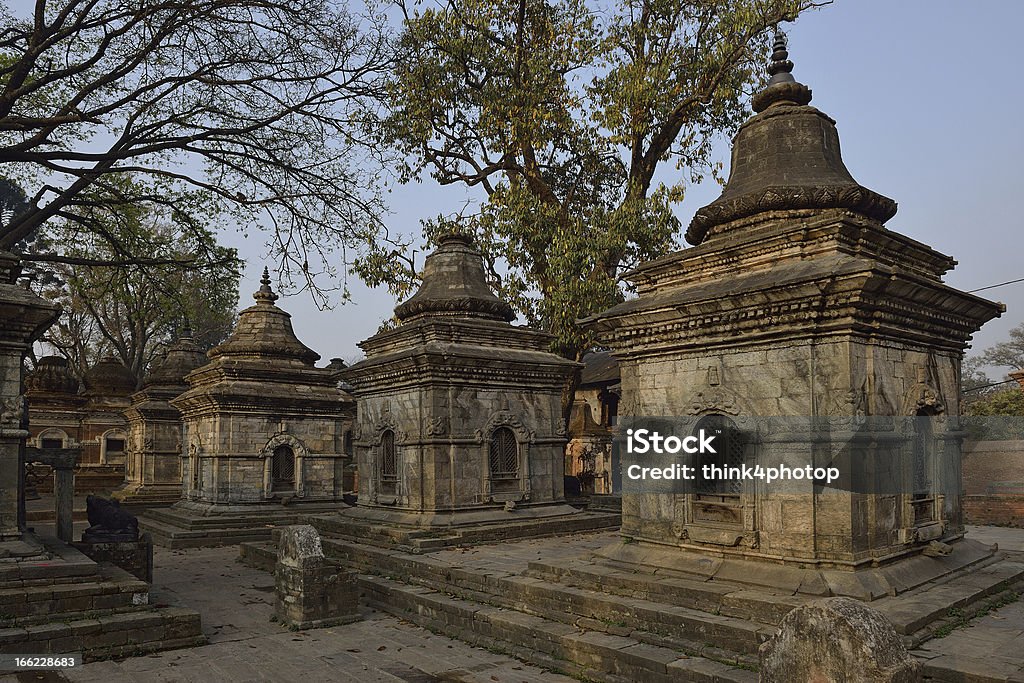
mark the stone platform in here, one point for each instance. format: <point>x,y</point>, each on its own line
<point>55,600</point>
<point>418,533</point>
<point>564,604</point>
<point>147,495</point>
<point>185,525</point>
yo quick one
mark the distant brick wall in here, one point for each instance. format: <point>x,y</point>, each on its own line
<point>993,467</point>
<point>993,480</point>
<point>995,510</point>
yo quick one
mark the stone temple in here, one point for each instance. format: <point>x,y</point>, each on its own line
<point>153,463</point>
<point>264,435</point>
<point>797,301</point>
<point>460,420</point>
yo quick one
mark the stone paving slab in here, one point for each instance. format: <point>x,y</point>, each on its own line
<point>236,604</point>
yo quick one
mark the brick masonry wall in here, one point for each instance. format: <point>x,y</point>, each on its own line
<point>993,477</point>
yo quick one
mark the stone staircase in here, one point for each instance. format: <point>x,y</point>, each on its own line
<point>172,528</point>
<point>581,632</point>
<point>63,602</point>
<point>555,604</point>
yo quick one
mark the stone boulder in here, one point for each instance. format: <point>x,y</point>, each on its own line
<point>837,639</point>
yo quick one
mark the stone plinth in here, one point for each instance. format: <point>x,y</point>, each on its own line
<point>311,593</point>
<point>459,411</point>
<point>135,557</point>
<point>264,435</point>
<point>153,472</point>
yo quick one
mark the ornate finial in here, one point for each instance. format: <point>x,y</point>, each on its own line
<point>265,293</point>
<point>780,68</point>
<point>782,88</point>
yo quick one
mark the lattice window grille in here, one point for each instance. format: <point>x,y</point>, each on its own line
<point>504,454</point>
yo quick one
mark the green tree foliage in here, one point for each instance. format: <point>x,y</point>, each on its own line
<point>561,113</point>
<point>998,415</point>
<point>256,110</point>
<point>1009,402</point>
<point>1008,354</point>
<point>975,383</point>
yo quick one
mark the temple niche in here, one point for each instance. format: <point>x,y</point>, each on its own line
<point>264,435</point>
<point>153,464</point>
<point>797,301</point>
<point>460,417</point>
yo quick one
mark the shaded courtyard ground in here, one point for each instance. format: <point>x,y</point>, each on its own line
<point>236,603</point>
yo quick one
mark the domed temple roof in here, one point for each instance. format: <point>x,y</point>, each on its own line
<point>786,157</point>
<point>109,377</point>
<point>454,284</point>
<point>52,374</point>
<point>265,331</point>
<point>182,357</point>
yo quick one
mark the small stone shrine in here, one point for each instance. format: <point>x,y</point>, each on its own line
<point>797,301</point>
<point>460,417</point>
<point>264,435</point>
<point>153,464</point>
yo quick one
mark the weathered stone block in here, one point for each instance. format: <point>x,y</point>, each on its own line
<point>311,593</point>
<point>837,639</point>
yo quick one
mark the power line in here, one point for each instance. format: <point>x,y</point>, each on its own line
<point>1008,282</point>
<point>986,386</point>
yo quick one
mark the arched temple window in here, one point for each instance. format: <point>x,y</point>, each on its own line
<point>53,438</point>
<point>503,459</point>
<point>729,445</point>
<point>112,447</point>
<point>283,469</point>
<point>388,463</point>
<point>922,484</point>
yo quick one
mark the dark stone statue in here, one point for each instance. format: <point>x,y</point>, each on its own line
<point>108,523</point>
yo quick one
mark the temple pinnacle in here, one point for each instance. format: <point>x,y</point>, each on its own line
<point>265,293</point>
<point>781,88</point>
<point>780,68</point>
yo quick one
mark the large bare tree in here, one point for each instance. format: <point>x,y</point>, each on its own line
<point>258,110</point>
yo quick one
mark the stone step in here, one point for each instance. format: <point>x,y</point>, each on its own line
<point>258,554</point>
<point>107,635</point>
<point>170,536</point>
<point>717,597</point>
<point>426,540</point>
<point>919,613</point>
<point>570,648</point>
<point>556,601</point>
<point>172,517</point>
<point>112,589</point>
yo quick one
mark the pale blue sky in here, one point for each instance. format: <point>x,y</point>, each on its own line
<point>927,98</point>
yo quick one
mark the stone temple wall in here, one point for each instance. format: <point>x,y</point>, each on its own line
<point>448,431</point>
<point>838,377</point>
<point>233,454</point>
